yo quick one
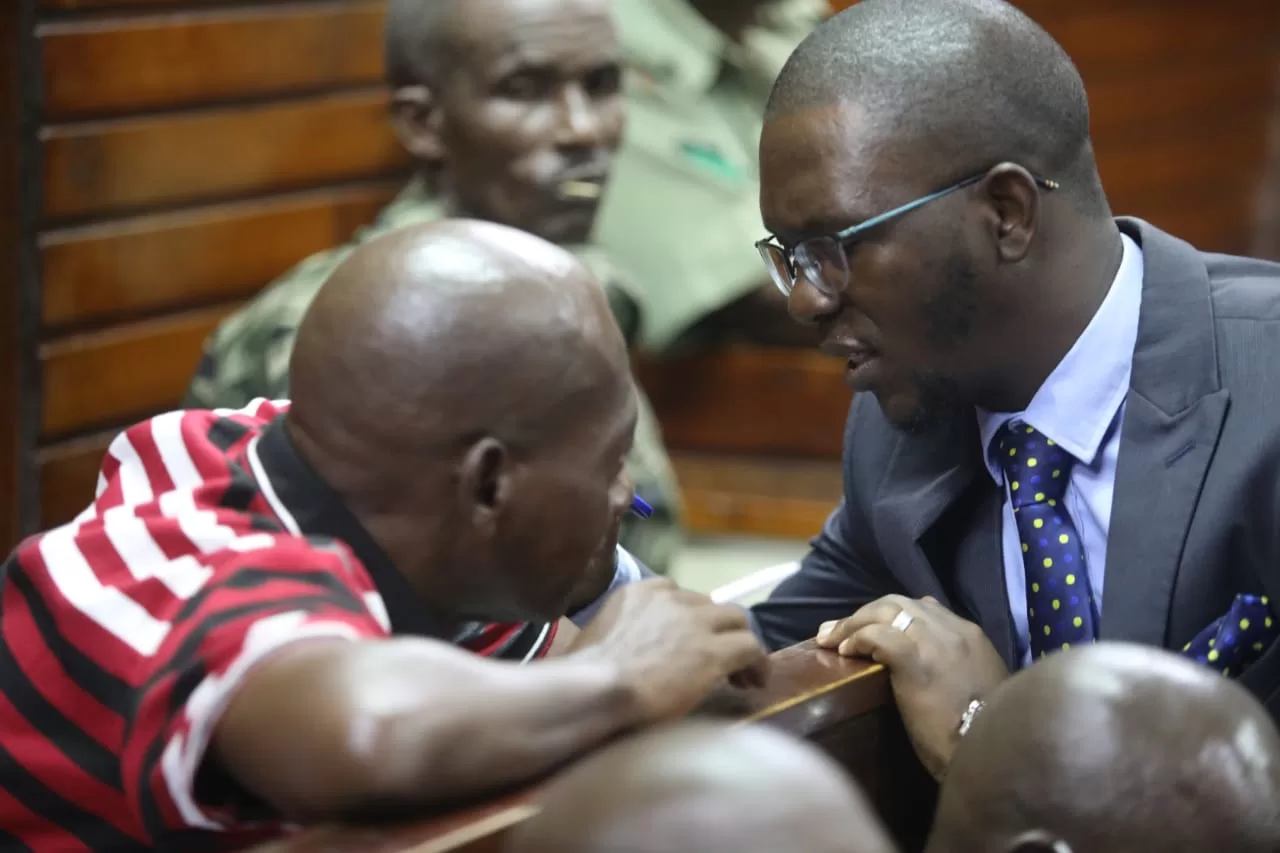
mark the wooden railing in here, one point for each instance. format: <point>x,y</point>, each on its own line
<point>844,706</point>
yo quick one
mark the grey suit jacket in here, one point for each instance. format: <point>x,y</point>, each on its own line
<point>1195,518</point>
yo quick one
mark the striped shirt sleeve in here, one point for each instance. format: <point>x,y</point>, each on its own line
<point>270,598</point>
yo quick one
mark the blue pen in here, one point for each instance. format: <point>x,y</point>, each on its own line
<point>640,507</point>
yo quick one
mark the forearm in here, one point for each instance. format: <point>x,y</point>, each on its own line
<point>385,727</point>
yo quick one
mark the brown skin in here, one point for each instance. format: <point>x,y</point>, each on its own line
<point>705,787</point>
<point>464,388</point>
<point>1110,749</point>
<point>971,300</point>
<point>531,99</point>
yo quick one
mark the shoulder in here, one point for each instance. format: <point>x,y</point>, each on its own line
<point>1244,288</point>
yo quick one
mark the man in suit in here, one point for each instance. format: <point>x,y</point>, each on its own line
<point>1066,426</point>
<point>706,787</point>
<point>1034,777</point>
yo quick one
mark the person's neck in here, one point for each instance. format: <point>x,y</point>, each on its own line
<point>731,17</point>
<point>1064,304</point>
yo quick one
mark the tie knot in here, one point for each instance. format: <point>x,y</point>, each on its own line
<point>1035,467</point>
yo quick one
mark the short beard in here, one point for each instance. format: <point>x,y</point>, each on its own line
<point>938,403</point>
<point>949,314</point>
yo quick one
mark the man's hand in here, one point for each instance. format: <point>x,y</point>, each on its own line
<point>673,646</point>
<point>937,666</point>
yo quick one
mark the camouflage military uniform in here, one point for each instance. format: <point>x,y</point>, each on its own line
<point>248,356</point>
<point>682,210</point>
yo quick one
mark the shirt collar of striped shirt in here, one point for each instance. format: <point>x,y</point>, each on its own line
<point>318,511</point>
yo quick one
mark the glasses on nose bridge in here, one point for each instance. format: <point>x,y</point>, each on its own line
<point>824,260</point>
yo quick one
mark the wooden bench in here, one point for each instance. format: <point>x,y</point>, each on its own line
<point>844,706</point>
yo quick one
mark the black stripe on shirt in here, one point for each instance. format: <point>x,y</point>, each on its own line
<point>92,831</point>
<point>63,734</point>
<point>111,692</point>
<point>13,843</point>
<point>189,669</point>
<point>225,433</point>
<point>240,494</point>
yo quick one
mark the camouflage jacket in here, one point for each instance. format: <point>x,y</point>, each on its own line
<point>248,356</point>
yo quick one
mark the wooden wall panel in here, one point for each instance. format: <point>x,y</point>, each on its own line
<point>146,63</point>
<point>150,264</point>
<point>118,166</point>
<point>119,374</point>
<point>190,150</point>
<point>18,284</point>
<point>741,387</point>
<point>69,474</point>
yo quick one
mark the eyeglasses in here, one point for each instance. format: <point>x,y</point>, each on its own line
<point>824,260</point>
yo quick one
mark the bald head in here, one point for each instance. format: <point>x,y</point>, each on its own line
<point>970,83</point>
<point>433,333</point>
<point>1115,748</point>
<point>464,389</point>
<point>706,787</point>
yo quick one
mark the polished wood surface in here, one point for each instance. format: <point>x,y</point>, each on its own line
<point>127,165</point>
<point>122,373</point>
<point>788,498</point>
<point>147,265</point>
<point>749,400</point>
<point>845,706</point>
<point>184,152</point>
<point>16,284</point>
<point>95,68</point>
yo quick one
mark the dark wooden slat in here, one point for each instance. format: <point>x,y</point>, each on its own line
<point>1167,98</point>
<point>94,5</point>
<point>123,373</point>
<point>94,67</point>
<point>106,166</point>
<point>68,476</point>
<point>17,285</point>
<point>757,495</point>
<point>114,166</point>
<point>713,402</point>
<point>1163,169</point>
<point>1119,38</point>
<point>162,262</point>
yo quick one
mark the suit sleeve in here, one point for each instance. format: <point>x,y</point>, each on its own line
<point>842,571</point>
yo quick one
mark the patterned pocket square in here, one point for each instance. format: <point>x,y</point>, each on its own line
<point>1230,644</point>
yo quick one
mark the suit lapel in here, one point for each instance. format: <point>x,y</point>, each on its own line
<point>1172,420</point>
<point>931,477</point>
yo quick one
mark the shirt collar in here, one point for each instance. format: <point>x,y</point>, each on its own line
<point>299,495</point>
<point>1078,403</point>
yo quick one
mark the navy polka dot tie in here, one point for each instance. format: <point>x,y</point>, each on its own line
<point>1060,607</point>
<point>1236,640</point>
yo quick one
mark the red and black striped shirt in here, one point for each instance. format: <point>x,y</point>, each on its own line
<point>123,634</point>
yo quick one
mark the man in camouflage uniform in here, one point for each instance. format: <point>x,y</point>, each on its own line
<point>512,111</point>
<point>683,206</point>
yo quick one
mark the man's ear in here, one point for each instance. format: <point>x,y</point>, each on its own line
<point>416,117</point>
<point>1014,202</point>
<point>485,481</point>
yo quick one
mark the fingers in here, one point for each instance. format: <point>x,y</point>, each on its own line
<point>883,644</point>
<point>882,611</point>
<point>756,676</point>
<point>726,617</point>
<point>740,651</point>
